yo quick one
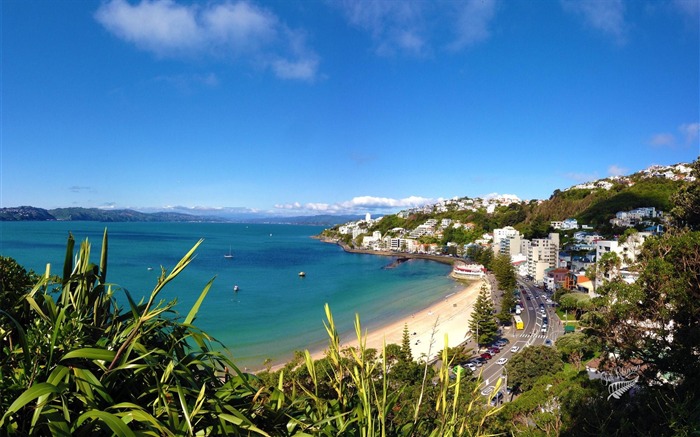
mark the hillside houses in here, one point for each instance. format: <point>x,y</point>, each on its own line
<point>635,217</point>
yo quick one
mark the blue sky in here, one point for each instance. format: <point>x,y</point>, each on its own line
<point>303,106</point>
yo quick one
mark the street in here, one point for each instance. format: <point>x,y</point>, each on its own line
<point>536,310</point>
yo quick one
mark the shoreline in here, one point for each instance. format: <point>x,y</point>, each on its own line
<point>437,258</point>
<point>427,327</point>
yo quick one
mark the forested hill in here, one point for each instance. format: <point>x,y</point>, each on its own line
<point>94,214</point>
<point>593,203</point>
<point>598,205</point>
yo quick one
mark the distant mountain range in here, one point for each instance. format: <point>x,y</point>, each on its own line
<point>30,213</point>
<point>592,202</point>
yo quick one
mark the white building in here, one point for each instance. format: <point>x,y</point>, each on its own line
<point>542,254</point>
<point>501,234</point>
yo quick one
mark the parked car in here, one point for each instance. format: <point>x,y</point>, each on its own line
<point>493,350</point>
<point>497,399</point>
<point>470,366</point>
<point>502,361</point>
<point>486,356</point>
<point>501,342</point>
<point>515,349</point>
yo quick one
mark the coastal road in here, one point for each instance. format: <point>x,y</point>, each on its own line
<point>533,333</point>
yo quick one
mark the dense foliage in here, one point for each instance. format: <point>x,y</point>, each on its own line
<point>77,364</point>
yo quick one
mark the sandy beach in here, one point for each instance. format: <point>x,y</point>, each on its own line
<point>449,316</point>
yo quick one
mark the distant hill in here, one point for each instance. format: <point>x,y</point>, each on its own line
<point>95,214</point>
<point>30,213</point>
<point>20,213</point>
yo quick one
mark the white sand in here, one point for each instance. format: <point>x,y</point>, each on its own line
<point>449,316</point>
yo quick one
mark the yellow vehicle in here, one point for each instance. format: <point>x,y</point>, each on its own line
<point>519,322</point>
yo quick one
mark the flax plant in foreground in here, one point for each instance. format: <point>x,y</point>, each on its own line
<point>82,366</point>
<point>363,401</point>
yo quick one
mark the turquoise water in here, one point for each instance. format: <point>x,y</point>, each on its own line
<point>275,311</point>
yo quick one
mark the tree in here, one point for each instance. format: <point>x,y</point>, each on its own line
<point>406,355</point>
<point>504,272</point>
<point>608,265</point>
<point>686,201</point>
<point>533,362</point>
<point>482,324</point>
<point>657,318</point>
<point>575,347</point>
<point>480,255</point>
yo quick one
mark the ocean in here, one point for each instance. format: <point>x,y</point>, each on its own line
<point>275,312</point>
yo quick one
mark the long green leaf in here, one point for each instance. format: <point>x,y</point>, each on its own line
<point>195,308</point>
<point>33,392</point>
<point>113,422</point>
<point>58,324</point>
<point>242,423</point>
<point>92,384</point>
<point>90,353</point>
<point>103,259</point>
<point>183,404</point>
<point>68,262</point>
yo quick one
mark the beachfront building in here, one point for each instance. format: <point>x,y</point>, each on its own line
<point>465,270</point>
<point>373,241</point>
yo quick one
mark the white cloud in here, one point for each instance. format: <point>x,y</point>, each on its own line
<point>160,26</point>
<point>358,204</point>
<point>690,131</point>
<point>606,16</point>
<point>393,25</point>
<point>473,19</point>
<point>615,170</point>
<point>663,140</point>
<point>222,30</point>
<point>415,27</point>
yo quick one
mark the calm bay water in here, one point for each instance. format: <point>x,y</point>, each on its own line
<point>275,311</point>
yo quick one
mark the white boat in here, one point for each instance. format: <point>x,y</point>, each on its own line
<point>229,254</point>
<point>235,288</point>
